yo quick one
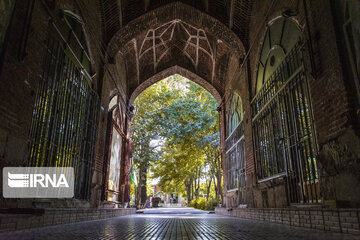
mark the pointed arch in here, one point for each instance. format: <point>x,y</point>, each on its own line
<point>281,36</point>
<point>235,115</point>
<point>171,71</point>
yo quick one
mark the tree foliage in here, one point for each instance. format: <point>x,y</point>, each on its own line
<point>176,132</point>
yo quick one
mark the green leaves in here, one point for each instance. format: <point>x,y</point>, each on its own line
<point>181,117</point>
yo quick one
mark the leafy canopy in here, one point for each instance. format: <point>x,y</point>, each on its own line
<point>176,122</point>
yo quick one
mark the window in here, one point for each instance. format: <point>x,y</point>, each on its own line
<point>114,159</point>
<point>235,115</point>
<point>235,147</point>
<point>352,39</point>
<point>280,38</point>
<point>64,119</point>
<point>281,114</point>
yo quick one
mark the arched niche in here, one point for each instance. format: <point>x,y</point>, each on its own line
<point>281,36</point>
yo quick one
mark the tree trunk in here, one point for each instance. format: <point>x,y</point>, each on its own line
<point>208,189</point>
<point>137,196</point>
<point>197,182</point>
<point>192,189</point>
<point>188,190</point>
<point>216,189</point>
<point>218,176</point>
<point>197,188</point>
<point>196,192</point>
<point>142,186</point>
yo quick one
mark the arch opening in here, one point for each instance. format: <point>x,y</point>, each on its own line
<point>176,40</point>
<point>176,138</point>
<point>172,71</point>
<point>176,43</point>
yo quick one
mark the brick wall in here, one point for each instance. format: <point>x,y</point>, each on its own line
<point>13,222</point>
<point>262,13</point>
<point>237,81</point>
<point>20,78</point>
<point>339,220</point>
<point>332,102</point>
<point>333,108</point>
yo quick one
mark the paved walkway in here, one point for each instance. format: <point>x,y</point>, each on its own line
<point>174,224</point>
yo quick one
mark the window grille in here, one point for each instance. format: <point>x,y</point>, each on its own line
<point>235,148</point>
<point>284,143</point>
<point>64,122</point>
<point>235,164</point>
<point>282,128</point>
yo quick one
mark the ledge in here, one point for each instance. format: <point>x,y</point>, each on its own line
<point>333,220</point>
<point>55,216</point>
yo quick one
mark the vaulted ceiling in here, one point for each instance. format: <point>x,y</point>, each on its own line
<point>206,38</point>
<point>176,35</point>
<point>233,13</point>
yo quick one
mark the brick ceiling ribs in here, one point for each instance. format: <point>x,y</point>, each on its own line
<point>117,13</point>
<point>202,36</point>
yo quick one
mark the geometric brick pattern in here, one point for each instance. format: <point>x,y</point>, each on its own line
<point>158,42</point>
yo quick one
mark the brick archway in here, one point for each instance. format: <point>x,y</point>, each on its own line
<point>174,11</point>
<point>171,71</point>
<point>175,38</point>
<point>176,35</point>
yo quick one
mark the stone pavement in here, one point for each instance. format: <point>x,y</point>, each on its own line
<point>174,224</point>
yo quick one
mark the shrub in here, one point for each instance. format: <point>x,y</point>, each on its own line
<point>193,203</point>
<point>203,204</point>
<point>211,204</point>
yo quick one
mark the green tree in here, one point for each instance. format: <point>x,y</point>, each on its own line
<point>176,131</point>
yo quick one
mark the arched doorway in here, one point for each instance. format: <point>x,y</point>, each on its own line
<point>177,42</point>
<point>172,71</point>
<point>181,119</point>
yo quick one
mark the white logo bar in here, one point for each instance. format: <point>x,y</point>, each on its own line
<point>31,182</point>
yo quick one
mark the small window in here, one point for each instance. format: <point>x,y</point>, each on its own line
<point>113,102</point>
<point>235,113</point>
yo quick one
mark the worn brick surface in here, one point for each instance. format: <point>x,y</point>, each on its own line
<point>343,220</point>
<point>174,224</point>
<point>12,222</point>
